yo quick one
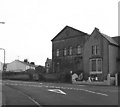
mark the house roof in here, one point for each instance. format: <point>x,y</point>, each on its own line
<point>117,39</point>
<point>26,63</point>
<point>48,60</point>
<point>108,38</point>
<point>68,32</point>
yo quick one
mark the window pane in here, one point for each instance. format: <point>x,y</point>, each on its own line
<point>57,53</point>
<point>93,65</point>
<point>93,50</point>
<point>99,62</point>
<point>70,51</point>
<point>79,49</point>
<point>98,50</point>
<point>65,52</point>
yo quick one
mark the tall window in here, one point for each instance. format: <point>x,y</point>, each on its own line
<point>65,52</point>
<point>95,50</point>
<point>96,65</point>
<point>57,52</point>
<point>99,64</point>
<point>79,49</point>
<point>93,65</point>
<point>98,50</point>
<point>70,51</point>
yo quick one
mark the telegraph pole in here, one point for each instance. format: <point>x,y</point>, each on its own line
<point>3,50</point>
<point>4,58</point>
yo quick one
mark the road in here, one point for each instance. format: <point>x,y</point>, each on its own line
<point>40,94</point>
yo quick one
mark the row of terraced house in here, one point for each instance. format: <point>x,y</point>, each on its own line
<point>94,54</point>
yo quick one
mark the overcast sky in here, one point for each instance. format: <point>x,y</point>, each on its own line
<point>31,24</point>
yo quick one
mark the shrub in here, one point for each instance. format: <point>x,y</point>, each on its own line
<point>65,77</point>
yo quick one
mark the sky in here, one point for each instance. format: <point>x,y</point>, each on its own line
<point>30,25</point>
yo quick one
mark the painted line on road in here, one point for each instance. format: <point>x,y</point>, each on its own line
<point>57,91</point>
<point>60,88</point>
<point>22,82</point>
<point>94,92</point>
<point>80,85</point>
<point>32,99</point>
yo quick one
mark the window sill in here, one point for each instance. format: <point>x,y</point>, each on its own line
<point>96,72</point>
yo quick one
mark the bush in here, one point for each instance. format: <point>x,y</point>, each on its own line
<point>50,77</point>
<point>65,77</point>
<point>85,76</point>
<point>40,69</point>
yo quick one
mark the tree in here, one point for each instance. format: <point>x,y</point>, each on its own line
<point>40,69</point>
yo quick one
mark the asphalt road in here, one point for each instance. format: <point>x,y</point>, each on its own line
<point>40,94</point>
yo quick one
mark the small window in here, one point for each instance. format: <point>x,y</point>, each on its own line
<point>47,65</point>
<point>79,49</point>
<point>58,52</point>
<point>65,52</point>
<point>98,50</point>
<point>70,51</point>
<point>95,50</point>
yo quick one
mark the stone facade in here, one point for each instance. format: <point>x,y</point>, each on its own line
<point>103,62</point>
<point>48,65</point>
<point>95,55</point>
<point>67,50</point>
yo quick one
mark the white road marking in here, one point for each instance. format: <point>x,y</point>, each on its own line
<point>57,91</point>
<point>69,88</point>
<point>22,82</point>
<point>32,99</point>
<point>93,92</point>
<point>81,85</point>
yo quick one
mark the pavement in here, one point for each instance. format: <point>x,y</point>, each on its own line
<point>42,94</point>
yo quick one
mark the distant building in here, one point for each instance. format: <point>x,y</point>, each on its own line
<point>48,65</point>
<point>95,55</point>
<point>67,50</point>
<point>18,66</point>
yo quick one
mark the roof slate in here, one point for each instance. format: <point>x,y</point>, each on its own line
<point>26,63</point>
<point>110,39</point>
<point>117,39</point>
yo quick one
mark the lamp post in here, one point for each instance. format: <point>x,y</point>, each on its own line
<point>4,58</point>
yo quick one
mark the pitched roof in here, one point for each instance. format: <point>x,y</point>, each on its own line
<point>26,63</point>
<point>68,32</point>
<point>117,39</point>
<point>108,38</point>
<point>48,60</point>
